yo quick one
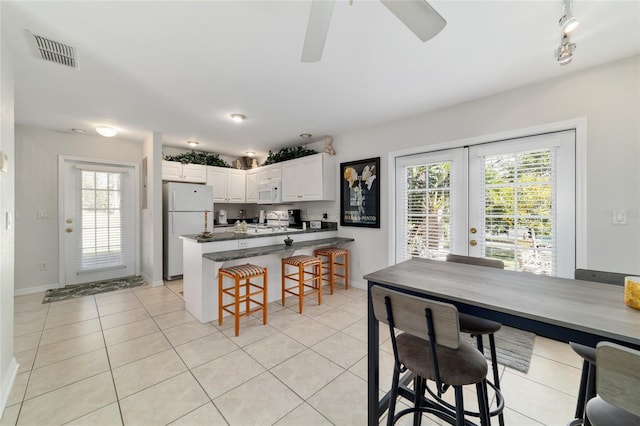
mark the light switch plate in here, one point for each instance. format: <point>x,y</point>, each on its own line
<point>619,217</point>
<point>4,162</point>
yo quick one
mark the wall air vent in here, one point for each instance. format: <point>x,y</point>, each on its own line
<point>53,51</point>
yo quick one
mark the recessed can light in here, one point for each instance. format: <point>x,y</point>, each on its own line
<point>106,131</point>
<point>250,153</point>
<point>305,135</point>
<point>192,143</point>
<point>238,118</point>
<point>79,131</point>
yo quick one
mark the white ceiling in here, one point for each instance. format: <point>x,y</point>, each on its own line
<point>181,67</point>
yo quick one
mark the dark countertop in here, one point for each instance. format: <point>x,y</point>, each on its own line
<point>225,236</point>
<point>223,256</point>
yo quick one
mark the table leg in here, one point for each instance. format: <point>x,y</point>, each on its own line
<point>373,362</point>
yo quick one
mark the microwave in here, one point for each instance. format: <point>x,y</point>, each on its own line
<point>270,193</point>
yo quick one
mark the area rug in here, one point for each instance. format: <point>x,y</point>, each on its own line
<point>79,290</point>
<point>513,347</point>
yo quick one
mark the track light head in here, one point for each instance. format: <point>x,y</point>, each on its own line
<point>564,53</point>
<point>567,21</point>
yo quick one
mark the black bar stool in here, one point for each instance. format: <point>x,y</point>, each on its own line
<point>430,348</point>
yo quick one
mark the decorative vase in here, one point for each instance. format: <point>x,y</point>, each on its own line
<point>288,241</point>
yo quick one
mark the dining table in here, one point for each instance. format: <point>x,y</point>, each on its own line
<point>563,309</point>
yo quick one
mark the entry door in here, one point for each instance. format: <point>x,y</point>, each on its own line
<point>522,203</point>
<point>97,222</point>
<point>431,204</point>
<point>512,200</point>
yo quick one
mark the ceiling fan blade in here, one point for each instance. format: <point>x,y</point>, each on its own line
<point>418,16</point>
<point>317,29</point>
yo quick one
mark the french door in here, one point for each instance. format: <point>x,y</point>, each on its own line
<point>98,226</point>
<point>512,200</point>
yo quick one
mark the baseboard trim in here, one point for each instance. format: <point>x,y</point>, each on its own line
<point>31,290</point>
<point>149,279</point>
<point>7,383</point>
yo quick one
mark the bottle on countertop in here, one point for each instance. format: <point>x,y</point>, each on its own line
<point>236,227</point>
<point>243,226</point>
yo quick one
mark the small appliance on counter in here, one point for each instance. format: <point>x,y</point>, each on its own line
<point>222,217</point>
<point>295,218</point>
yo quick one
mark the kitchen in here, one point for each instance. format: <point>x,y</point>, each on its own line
<point>605,93</point>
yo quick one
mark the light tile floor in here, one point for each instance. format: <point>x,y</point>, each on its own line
<point>137,357</point>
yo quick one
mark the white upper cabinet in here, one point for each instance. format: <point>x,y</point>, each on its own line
<point>228,184</point>
<point>270,173</point>
<point>251,181</point>
<point>311,178</point>
<point>178,172</point>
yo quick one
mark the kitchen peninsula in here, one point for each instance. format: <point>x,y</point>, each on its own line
<point>203,257</point>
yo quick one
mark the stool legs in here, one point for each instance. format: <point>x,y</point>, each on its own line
<point>315,282</point>
<point>242,292</point>
<point>331,265</point>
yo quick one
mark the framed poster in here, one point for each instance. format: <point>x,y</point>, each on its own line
<point>360,193</point>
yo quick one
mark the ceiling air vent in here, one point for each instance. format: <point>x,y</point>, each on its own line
<point>53,51</point>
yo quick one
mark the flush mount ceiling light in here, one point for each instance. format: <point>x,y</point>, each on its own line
<point>106,131</point>
<point>565,51</point>
<point>192,143</point>
<point>305,136</point>
<point>238,118</point>
<point>567,21</point>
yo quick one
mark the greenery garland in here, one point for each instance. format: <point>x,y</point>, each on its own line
<point>193,157</point>
<point>288,154</point>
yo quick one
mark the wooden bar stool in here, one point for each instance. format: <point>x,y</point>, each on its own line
<point>305,279</point>
<point>242,292</point>
<point>329,266</point>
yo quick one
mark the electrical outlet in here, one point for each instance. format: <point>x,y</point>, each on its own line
<point>44,265</point>
<point>243,243</point>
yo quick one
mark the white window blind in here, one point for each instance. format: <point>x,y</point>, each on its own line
<point>519,206</point>
<point>100,212</point>
<point>425,210</point>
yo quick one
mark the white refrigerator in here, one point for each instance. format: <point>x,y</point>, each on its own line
<point>183,207</point>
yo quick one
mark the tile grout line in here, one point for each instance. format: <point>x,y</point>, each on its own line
<point>26,387</point>
<point>181,360</point>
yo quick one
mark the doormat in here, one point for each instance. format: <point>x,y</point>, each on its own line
<point>79,290</point>
<point>514,347</point>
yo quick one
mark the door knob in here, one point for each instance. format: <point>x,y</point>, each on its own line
<point>69,230</point>
<point>473,243</point>
<point>473,230</point>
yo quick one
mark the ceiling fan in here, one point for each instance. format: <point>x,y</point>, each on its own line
<point>422,19</point>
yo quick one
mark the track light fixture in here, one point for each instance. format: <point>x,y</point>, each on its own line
<point>567,21</point>
<point>565,51</point>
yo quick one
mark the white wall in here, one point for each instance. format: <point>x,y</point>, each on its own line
<point>608,96</point>
<point>37,153</point>
<point>8,366</point>
<point>151,218</point>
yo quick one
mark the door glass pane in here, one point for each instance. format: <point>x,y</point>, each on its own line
<point>519,200</point>
<point>428,210</point>
<point>100,237</point>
